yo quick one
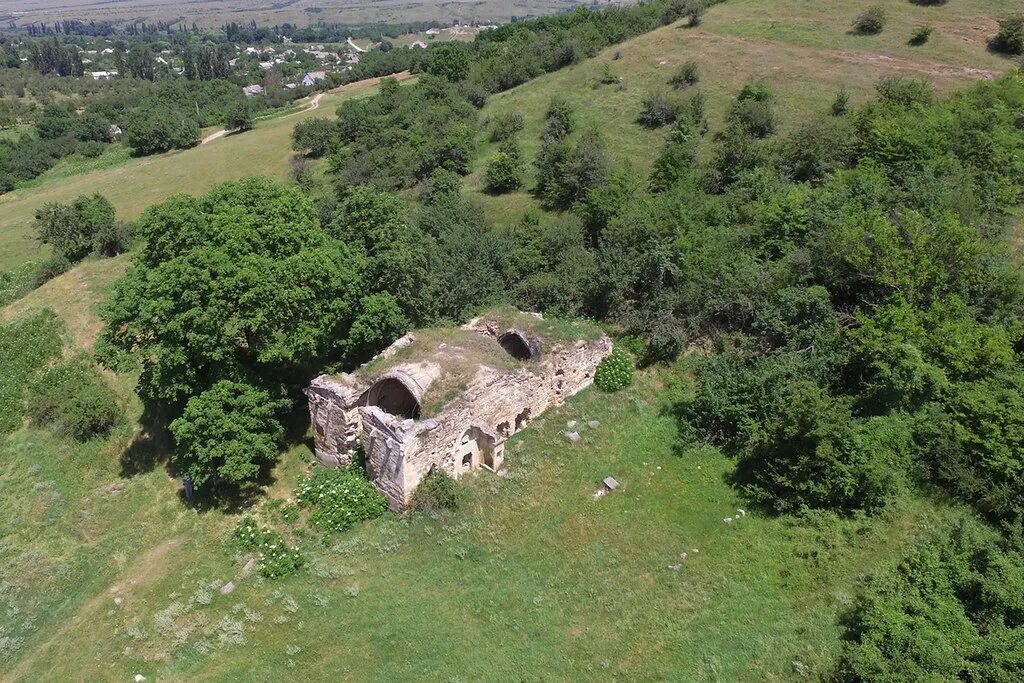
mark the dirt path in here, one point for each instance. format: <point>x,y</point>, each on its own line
<point>354,46</point>
<point>313,103</point>
<point>145,569</point>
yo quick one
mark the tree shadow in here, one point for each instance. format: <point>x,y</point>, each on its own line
<point>151,445</point>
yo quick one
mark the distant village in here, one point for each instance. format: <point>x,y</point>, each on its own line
<point>299,65</point>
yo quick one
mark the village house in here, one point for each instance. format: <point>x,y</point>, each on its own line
<point>252,90</point>
<point>447,399</point>
<point>313,77</point>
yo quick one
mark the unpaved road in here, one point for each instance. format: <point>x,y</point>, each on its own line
<point>311,105</point>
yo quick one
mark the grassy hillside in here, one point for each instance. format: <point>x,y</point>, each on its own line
<point>106,573</point>
<point>137,183</point>
<point>805,51</point>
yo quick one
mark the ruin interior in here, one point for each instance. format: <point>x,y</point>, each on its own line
<point>448,399</point>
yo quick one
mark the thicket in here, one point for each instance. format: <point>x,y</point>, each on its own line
<point>1010,37</point>
<point>26,345</point>
<point>72,399</point>
<point>338,498</point>
<point>436,493</point>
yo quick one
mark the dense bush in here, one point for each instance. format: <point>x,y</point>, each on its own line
<point>921,35</point>
<point>339,497</point>
<point>505,169</point>
<point>227,433</point>
<point>688,73</point>
<point>72,399</point>
<point>76,229</point>
<point>615,371</point>
<point>658,110</point>
<point>153,129</point>
<point>275,557</point>
<point>949,611</point>
<point>1010,38</point>
<point>314,137</point>
<point>870,22</point>
<point>437,492</point>
<point>26,344</point>
<point>753,111</point>
<point>506,126</point>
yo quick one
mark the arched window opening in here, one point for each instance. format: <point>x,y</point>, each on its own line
<point>516,346</point>
<point>392,396</point>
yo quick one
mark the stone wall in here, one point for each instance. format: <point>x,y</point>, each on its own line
<point>472,427</point>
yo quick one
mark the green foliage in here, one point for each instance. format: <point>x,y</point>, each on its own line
<point>841,104</point>
<point>379,322</point>
<point>687,74</point>
<point>870,22</point>
<point>1010,37</point>
<point>505,169</point>
<point>72,399</point>
<point>676,160</point>
<point>339,498</point>
<point>506,126</point>
<point>810,452</point>
<point>401,136</point>
<point>615,371</point>
<point>567,173</point>
<point>241,284</point>
<point>449,60</point>
<point>240,117</point>
<point>921,35</point>
<point>73,230</point>
<point>949,611</point>
<point>971,440</point>
<point>154,129</point>
<point>227,433</point>
<point>26,344</point>
<point>436,493</point>
<point>314,137</point>
<point>753,112</point>
<point>275,557</point>
<point>658,110</point>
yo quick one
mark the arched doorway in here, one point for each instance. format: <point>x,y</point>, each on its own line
<point>473,450</point>
<point>392,396</point>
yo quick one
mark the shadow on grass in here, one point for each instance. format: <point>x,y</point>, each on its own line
<point>150,447</point>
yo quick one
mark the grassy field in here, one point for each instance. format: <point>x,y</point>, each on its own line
<point>133,184</point>
<point>107,574</point>
<point>803,50</point>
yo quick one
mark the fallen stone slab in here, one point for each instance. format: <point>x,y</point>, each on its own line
<point>574,437</point>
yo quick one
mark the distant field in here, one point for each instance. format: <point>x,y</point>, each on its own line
<point>214,13</point>
<point>137,183</point>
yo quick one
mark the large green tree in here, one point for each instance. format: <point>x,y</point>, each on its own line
<point>240,284</point>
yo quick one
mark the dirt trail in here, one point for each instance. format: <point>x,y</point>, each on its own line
<point>145,569</point>
<point>315,102</point>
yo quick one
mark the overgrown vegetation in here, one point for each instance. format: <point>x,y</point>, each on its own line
<point>615,372</point>
<point>73,400</point>
<point>337,498</point>
<point>26,345</point>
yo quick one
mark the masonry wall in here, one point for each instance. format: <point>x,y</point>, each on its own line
<point>401,452</point>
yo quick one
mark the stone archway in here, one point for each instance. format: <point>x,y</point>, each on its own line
<point>391,395</point>
<point>518,346</point>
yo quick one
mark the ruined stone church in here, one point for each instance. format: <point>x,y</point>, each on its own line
<point>447,399</point>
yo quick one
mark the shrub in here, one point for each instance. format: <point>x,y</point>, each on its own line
<point>72,399</point>
<point>870,22</point>
<point>239,117</point>
<point>607,76</point>
<point>505,169</point>
<point>275,557</point>
<point>227,432</point>
<point>506,126</point>
<point>841,104</point>
<point>929,3</point>
<point>753,112</point>
<point>314,137</point>
<point>904,92</point>
<point>921,35</point>
<point>615,372</point>
<point>658,110</point>
<point>90,149</point>
<point>687,74</point>
<point>339,497</point>
<point>1010,38</point>
<point>26,344</point>
<point>436,492</point>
